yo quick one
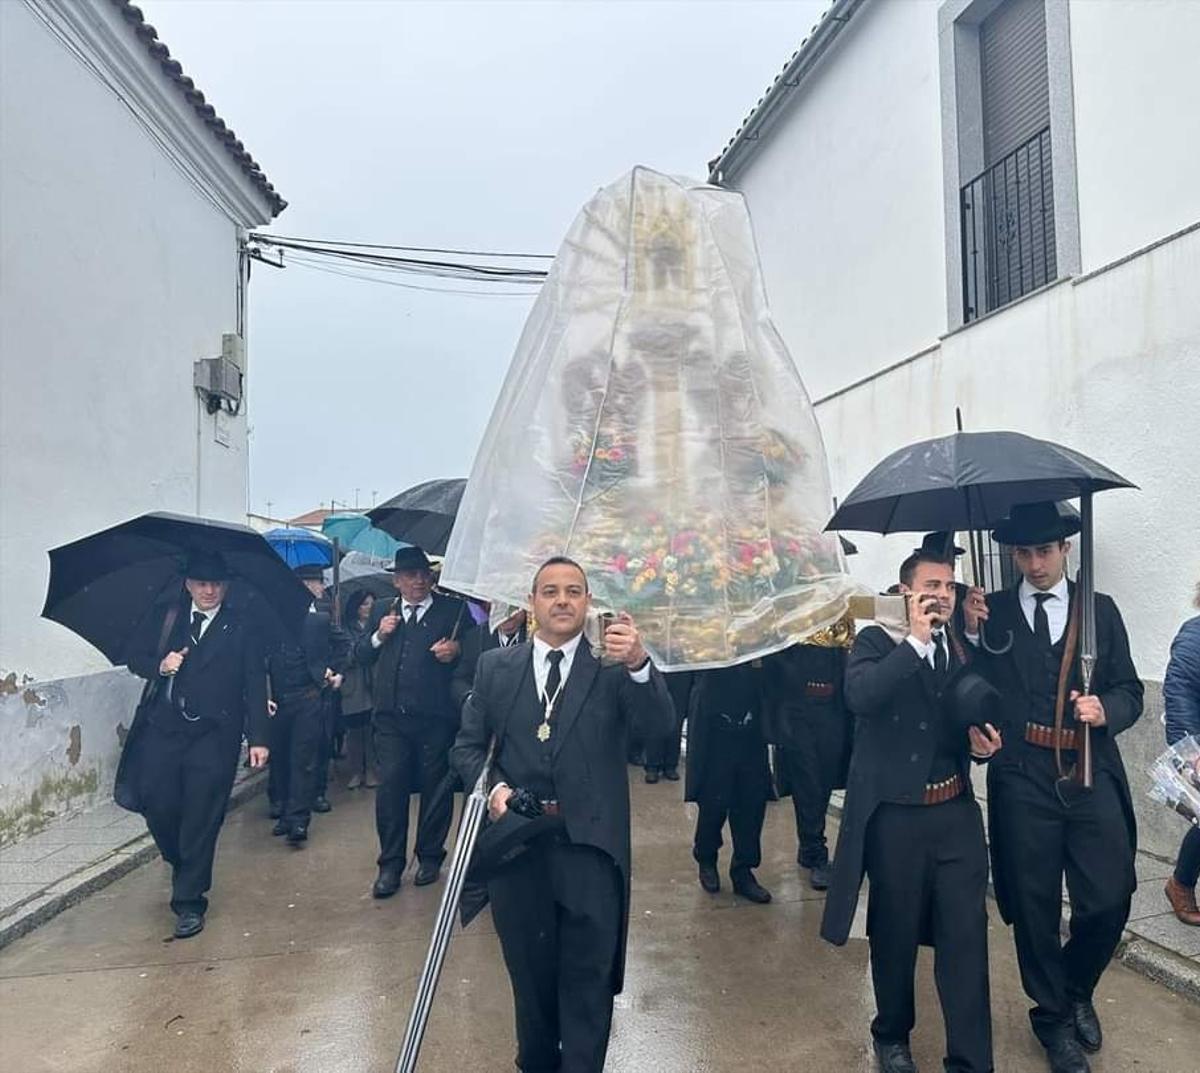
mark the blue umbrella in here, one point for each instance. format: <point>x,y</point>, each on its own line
<point>354,532</point>
<point>300,547</point>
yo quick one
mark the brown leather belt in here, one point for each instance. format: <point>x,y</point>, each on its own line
<point>937,793</point>
<point>550,808</point>
<point>818,689</point>
<point>1043,736</point>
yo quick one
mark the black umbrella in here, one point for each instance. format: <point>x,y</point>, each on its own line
<point>422,515</point>
<point>103,586</point>
<point>967,481</point>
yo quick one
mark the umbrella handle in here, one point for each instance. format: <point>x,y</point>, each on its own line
<point>987,646</point>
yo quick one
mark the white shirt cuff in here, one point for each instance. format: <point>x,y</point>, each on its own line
<point>972,638</point>
<point>376,640</point>
<point>492,792</point>
<point>922,648</point>
<point>642,674</point>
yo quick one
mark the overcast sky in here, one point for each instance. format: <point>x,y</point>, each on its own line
<point>466,125</point>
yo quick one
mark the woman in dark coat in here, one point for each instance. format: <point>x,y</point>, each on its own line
<point>1181,695</point>
<point>356,698</point>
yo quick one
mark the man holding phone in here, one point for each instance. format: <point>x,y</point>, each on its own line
<point>912,825</point>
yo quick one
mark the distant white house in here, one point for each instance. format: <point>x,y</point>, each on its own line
<point>124,205</point>
<point>995,205</point>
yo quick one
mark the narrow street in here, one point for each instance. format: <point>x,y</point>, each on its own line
<point>300,970</point>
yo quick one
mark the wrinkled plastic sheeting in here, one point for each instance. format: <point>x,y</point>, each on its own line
<point>653,427</point>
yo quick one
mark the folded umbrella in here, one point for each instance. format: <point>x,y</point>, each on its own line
<point>102,586</point>
<point>422,515</point>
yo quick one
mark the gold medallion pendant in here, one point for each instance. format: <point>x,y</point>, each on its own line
<point>543,732</point>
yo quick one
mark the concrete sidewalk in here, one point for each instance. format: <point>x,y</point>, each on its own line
<point>50,871</point>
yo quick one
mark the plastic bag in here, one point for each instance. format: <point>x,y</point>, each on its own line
<point>653,427</point>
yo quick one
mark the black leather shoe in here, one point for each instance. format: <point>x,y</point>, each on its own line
<point>894,1058</point>
<point>297,834</point>
<point>427,872</point>
<point>1066,1056</point>
<point>820,875</point>
<point>652,774</point>
<point>749,888</point>
<point>387,882</point>
<point>275,811</point>
<point>321,804</point>
<point>280,828</point>
<point>671,774</point>
<point>1087,1026</point>
<point>710,880</point>
<point>189,924</point>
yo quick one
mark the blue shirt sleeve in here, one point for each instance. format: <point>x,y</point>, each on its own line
<point>1181,684</point>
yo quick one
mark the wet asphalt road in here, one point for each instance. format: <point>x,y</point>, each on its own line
<point>300,970</point>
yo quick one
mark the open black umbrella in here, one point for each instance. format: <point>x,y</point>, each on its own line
<point>102,586</point>
<point>422,515</point>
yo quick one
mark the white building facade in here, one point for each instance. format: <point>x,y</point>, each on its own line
<point>994,205</point>
<point>124,204</point>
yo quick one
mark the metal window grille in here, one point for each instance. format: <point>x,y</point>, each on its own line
<point>1007,215</point>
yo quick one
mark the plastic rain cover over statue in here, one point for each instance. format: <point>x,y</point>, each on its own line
<point>654,428</point>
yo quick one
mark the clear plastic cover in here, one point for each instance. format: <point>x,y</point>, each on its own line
<point>653,427</point>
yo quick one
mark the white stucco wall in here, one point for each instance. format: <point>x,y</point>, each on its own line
<point>1137,122</point>
<point>846,198</point>
<point>116,275</point>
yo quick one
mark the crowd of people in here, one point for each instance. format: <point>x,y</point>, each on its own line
<point>420,700</point>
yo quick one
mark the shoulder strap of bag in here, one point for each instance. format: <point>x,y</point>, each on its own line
<point>169,619</point>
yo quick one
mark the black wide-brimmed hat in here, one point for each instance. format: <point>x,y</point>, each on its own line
<point>410,558</point>
<point>1030,524</point>
<point>206,566</point>
<point>971,699</point>
<point>940,543</point>
<point>309,572</point>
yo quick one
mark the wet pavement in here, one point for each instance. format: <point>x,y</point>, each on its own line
<point>300,970</point>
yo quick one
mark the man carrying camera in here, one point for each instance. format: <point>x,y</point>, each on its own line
<point>912,825</point>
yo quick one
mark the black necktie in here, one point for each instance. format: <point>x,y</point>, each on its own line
<point>554,679</point>
<point>1041,621</point>
<point>198,620</point>
<point>940,662</point>
<point>412,614</point>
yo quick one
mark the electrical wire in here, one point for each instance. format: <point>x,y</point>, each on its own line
<point>269,239</point>
<point>302,262</point>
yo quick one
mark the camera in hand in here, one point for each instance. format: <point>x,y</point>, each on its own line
<point>525,803</point>
<point>930,602</point>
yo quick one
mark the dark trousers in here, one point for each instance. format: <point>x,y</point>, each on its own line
<point>296,730</point>
<point>557,911</point>
<point>184,780</point>
<point>811,777</point>
<point>1038,839</point>
<point>733,788</point>
<point>414,757</point>
<point>662,753</point>
<point>1187,868</point>
<point>928,869</point>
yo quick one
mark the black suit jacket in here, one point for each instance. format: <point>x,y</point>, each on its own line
<point>222,680</point>
<point>445,618</point>
<point>324,645</point>
<point>709,699</point>
<point>1114,681</point>
<point>599,707</point>
<point>476,641</point>
<point>894,694</point>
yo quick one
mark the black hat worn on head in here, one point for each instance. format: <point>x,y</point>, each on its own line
<point>940,543</point>
<point>1030,524</point>
<point>410,558</point>
<point>206,566</point>
<point>309,572</point>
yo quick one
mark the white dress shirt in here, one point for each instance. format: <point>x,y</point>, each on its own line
<point>1056,607</point>
<point>406,611</point>
<point>209,615</point>
<point>928,649</point>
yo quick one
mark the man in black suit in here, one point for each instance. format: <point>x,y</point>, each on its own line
<point>1043,824</point>
<point>302,675</point>
<point>728,775</point>
<point>662,752</point>
<point>912,825</point>
<point>205,666</point>
<point>480,639</point>
<point>413,644</point>
<point>561,721</point>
